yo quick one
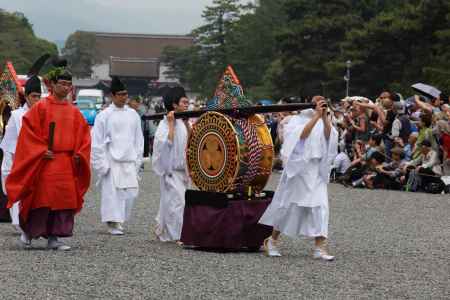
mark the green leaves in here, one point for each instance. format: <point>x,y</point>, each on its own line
<point>300,47</point>
<point>18,42</point>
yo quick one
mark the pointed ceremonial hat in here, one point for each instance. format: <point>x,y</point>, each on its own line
<point>33,85</point>
<point>117,85</point>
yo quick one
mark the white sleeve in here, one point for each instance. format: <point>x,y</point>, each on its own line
<point>162,150</point>
<point>7,162</point>
<point>99,159</point>
<point>9,140</point>
<point>396,126</point>
<point>139,142</point>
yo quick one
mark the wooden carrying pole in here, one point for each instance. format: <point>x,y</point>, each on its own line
<point>235,112</point>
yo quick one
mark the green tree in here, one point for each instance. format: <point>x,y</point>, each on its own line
<point>398,47</point>
<point>253,46</point>
<point>438,72</point>
<point>80,51</point>
<point>201,65</point>
<point>188,66</point>
<point>242,36</point>
<point>19,44</point>
<point>309,42</point>
<point>300,47</point>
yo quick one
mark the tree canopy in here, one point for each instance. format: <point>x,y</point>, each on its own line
<point>300,47</point>
<point>19,44</point>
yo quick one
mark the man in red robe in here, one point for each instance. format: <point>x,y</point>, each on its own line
<point>51,175</point>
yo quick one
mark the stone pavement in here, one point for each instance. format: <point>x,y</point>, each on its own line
<point>389,245</point>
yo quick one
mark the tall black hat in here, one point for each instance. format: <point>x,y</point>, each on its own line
<point>173,96</point>
<point>59,72</point>
<point>117,85</point>
<point>33,85</point>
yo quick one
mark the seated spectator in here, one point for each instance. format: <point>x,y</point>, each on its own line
<point>423,170</point>
<point>374,145</point>
<point>442,133</point>
<point>388,174</point>
<point>362,156</point>
<point>425,133</point>
<point>410,147</point>
<point>372,179</point>
<point>341,163</point>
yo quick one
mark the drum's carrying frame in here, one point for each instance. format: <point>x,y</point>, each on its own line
<point>230,148</point>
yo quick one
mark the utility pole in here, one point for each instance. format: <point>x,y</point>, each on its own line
<point>347,77</point>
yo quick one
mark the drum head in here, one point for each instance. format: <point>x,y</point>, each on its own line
<point>213,153</point>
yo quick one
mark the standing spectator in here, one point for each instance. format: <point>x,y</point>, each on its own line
<point>401,127</point>
<point>361,125</point>
<point>376,119</point>
<point>387,101</point>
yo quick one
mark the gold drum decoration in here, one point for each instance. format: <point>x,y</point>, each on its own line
<point>229,155</point>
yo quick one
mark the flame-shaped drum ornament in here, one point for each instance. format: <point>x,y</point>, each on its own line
<point>225,154</point>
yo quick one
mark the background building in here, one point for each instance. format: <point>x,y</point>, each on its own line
<point>136,59</point>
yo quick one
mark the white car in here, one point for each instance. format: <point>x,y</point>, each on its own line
<point>93,95</point>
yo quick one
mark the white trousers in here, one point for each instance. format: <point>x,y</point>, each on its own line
<point>14,212</point>
<point>116,204</point>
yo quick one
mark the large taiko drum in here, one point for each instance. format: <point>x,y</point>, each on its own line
<point>229,155</point>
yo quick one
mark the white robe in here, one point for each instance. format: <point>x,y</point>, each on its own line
<point>116,156</point>
<point>8,145</point>
<point>169,162</point>
<point>300,203</point>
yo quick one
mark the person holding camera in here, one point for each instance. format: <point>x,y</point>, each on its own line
<point>300,204</point>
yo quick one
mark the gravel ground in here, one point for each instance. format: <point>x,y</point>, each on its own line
<point>388,245</point>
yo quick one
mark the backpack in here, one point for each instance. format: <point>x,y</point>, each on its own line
<point>435,187</point>
<point>413,183</point>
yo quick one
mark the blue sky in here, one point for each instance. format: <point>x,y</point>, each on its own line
<point>56,19</point>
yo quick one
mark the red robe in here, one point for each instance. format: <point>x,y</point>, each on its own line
<point>57,184</point>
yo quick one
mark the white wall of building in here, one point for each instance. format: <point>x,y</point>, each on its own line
<point>101,72</point>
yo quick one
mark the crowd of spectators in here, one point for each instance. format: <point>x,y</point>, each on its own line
<point>388,143</point>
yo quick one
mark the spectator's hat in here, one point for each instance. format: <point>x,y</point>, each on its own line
<point>400,106</point>
<point>426,143</point>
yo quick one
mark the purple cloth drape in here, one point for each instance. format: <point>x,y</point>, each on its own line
<point>231,227</point>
